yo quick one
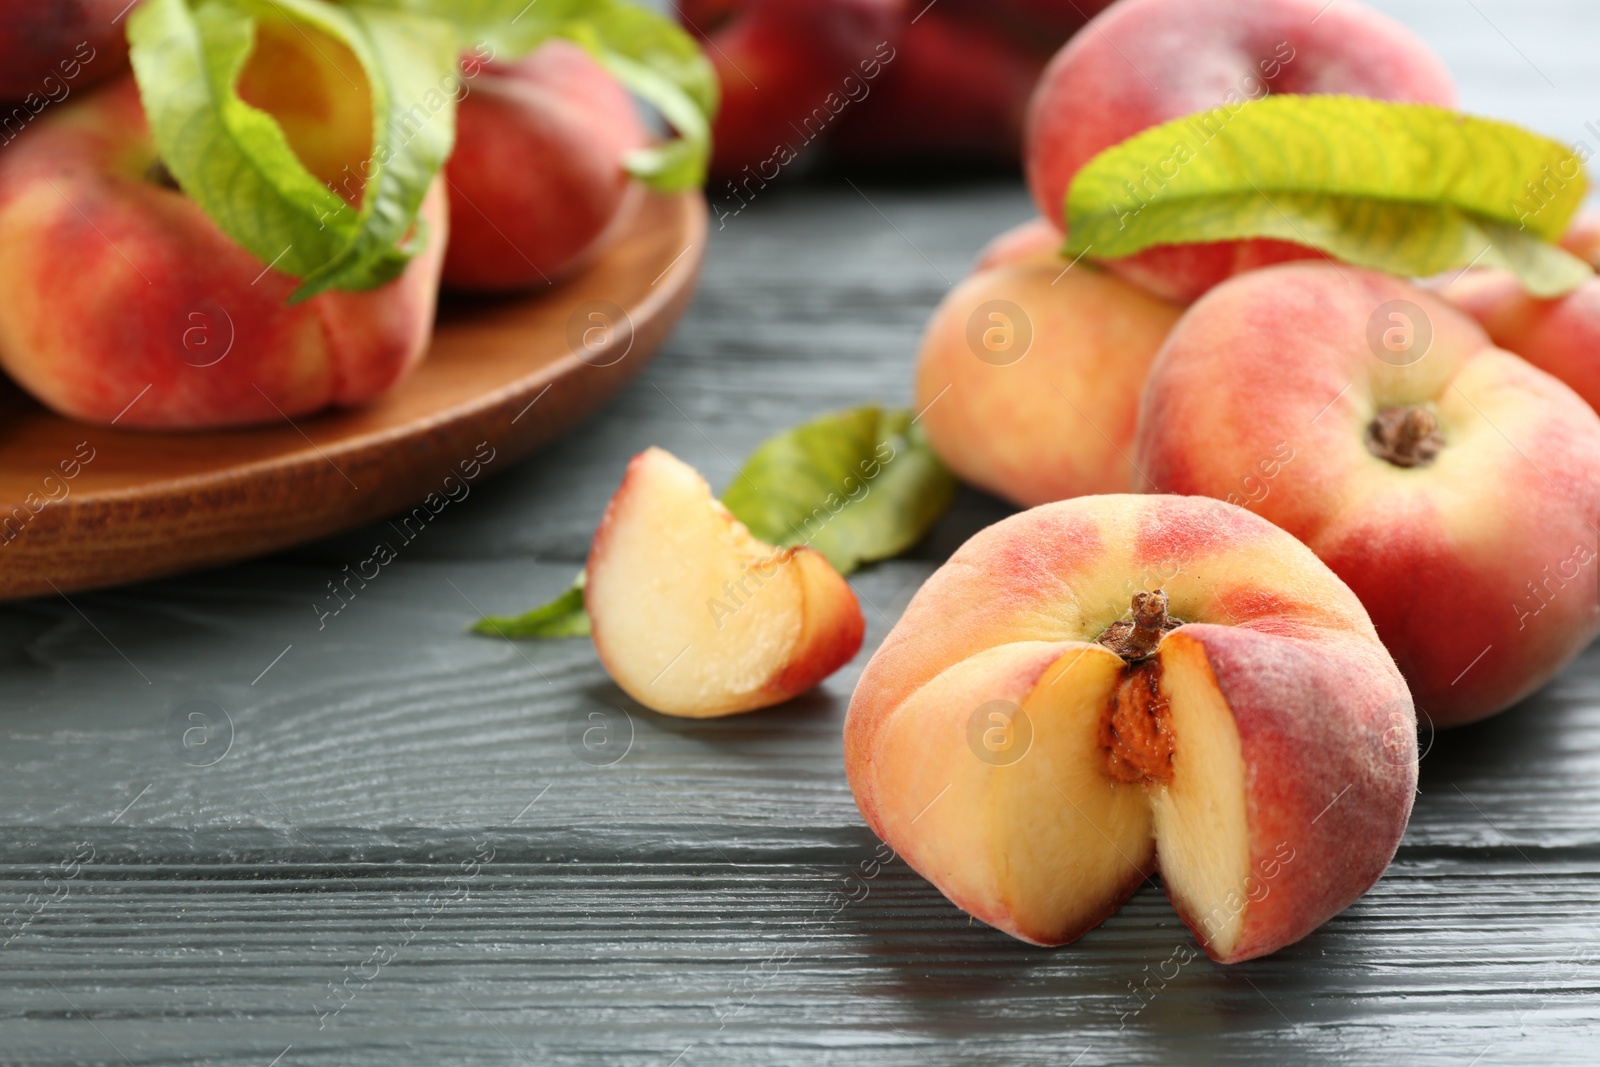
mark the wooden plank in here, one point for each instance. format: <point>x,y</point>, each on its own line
<point>219,906</point>
<point>354,727</point>
<point>631,958</point>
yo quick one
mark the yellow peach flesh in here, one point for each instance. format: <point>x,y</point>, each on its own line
<point>694,616</point>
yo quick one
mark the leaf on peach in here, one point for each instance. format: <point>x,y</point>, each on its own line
<point>646,52</point>
<point>1411,189</point>
<point>237,163</point>
<point>857,485</point>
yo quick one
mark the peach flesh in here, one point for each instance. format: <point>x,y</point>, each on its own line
<point>1142,760</point>
<point>694,616</point>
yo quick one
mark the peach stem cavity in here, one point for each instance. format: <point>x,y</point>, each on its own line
<point>1135,732</point>
<point>1406,437</point>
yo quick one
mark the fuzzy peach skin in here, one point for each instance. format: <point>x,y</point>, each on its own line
<point>1048,22</point>
<point>957,90</point>
<point>1144,62</point>
<point>1478,568</point>
<point>124,299</point>
<point>1035,241</point>
<point>1058,421</point>
<point>50,49</point>
<point>1582,238</point>
<point>955,79</point>
<point>537,185</point>
<point>1293,748</point>
<point>787,70</point>
<point>693,616</point>
<point>1561,336</point>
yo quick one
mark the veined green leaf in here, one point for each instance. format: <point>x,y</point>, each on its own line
<point>857,486</point>
<point>645,51</point>
<point>511,28</point>
<point>1406,188</point>
<point>231,158</point>
<point>236,163</point>
<point>410,63</point>
<point>562,617</point>
<point>664,66</point>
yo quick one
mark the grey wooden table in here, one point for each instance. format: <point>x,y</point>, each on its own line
<point>388,850</point>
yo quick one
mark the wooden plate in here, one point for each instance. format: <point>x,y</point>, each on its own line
<point>502,378</point>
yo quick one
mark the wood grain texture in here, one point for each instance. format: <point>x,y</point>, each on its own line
<point>513,372</point>
<point>703,900</point>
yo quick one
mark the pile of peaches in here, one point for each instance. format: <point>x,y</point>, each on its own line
<point>1281,509</point>
<point>127,301</point>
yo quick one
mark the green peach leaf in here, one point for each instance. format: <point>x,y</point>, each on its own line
<point>648,53</point>
<point>234,161</point>
<point>1411,189</point>
<point>664,66</point>
<point>562,617</point>
<point>511,28</point>
<point>857,486</point>
<point>229,157</point>
<point>411,64</point>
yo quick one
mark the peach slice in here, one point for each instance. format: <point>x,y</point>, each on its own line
<point>1241,729</point>
<point>693,616</point>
